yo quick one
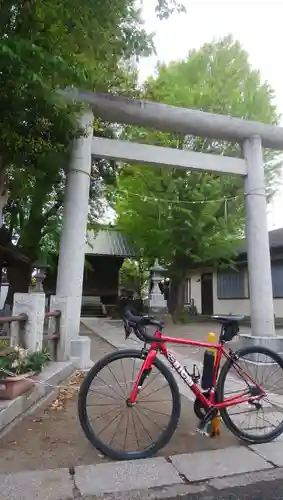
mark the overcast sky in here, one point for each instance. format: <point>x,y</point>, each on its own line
<point>256,24</point>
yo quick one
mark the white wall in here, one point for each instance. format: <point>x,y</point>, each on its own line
<point>3,295</point>
<point>228,306</point>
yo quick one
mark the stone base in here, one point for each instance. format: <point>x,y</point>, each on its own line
<point>159,314</point>
<point>157,310</point>
<point>273,343</point>
<point>259,363</point>
<point>80,352</point>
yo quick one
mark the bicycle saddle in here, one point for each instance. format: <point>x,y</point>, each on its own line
<point>224,320</point>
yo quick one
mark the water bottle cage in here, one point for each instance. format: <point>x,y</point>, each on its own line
<point>195,376</point>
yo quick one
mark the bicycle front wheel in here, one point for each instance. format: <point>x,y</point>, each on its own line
<point>121,432</point>
<point>253,370</point>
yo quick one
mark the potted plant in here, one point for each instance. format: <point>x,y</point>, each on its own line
<point>17,367</point>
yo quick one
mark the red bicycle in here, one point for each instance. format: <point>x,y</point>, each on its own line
<point>108,389</point>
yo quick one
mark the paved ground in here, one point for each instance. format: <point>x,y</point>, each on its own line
<point>272,490</point>
<point>53,438</point>
<point>235,473</point>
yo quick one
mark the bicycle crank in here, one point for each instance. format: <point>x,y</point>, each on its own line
<point>211,427</point>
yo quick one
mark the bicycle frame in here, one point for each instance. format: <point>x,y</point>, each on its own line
<point>208,402</point>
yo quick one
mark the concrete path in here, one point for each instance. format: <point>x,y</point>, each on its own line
<point>113,333</point>
<point>198,475</point>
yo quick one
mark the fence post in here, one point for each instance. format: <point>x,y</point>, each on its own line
<point>33,305</point>
<point>71,345</point>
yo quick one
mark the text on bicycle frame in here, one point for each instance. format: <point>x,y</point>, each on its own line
<point>180,369</point>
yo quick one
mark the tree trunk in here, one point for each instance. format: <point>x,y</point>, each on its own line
<point>19,281</point>
<point>176,297</point>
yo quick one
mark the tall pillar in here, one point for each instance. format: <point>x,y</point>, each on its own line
<point>260,283</point>
<point>72,243</point>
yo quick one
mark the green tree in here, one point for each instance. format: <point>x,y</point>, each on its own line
<point>44,47</point>
<point>134,276</point>
<point>188,218</point>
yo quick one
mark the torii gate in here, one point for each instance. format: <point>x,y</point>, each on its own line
<point>251,135</point>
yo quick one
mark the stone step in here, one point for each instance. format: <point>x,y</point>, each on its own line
<point>12,411</point>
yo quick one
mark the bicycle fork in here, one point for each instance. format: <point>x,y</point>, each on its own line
<point>149,358</point>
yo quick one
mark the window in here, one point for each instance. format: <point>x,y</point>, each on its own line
<point>277,280</point>
<point>231,285</point>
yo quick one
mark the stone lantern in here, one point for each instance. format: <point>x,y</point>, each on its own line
<point>157,303</point>
<point>41,270</point>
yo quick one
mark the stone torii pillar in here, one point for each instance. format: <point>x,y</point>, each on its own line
<point>258,251</point>
<point>69,288</point>
<point>252,135</point>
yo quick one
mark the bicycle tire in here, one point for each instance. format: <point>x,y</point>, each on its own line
<point>220,394</point>
<point>96,441</point>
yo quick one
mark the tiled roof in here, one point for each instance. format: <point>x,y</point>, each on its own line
<point>108,242</point>
<point>275,241</point>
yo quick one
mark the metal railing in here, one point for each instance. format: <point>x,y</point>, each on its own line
<point>53,332</point>
<point>51,337</point>
<point>5,339</point>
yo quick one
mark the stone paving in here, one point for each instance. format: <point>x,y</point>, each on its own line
<point>188,475</point>
<point>152,478</point>
<point>49,439</point>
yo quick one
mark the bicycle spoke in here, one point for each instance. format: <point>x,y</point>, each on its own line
<point>110,387</point>
<point>144,426</point>
<point>107,425</point>
<point>125,378</point>
<point>135,431</point>
<point>154,392</point>
<point>106,395</point>
<point>153,421</point>
<point>126,431</point>
<point>154,411</point>
<point>151,380</point>
<point>123,393</point>
<point>103,414</point>
<point>115,432</point>
<point>103,404</point>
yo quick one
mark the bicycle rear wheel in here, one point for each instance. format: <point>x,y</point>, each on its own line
<point>121,432</point>
<point>258,421</point>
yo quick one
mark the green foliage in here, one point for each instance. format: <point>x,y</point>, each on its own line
<point>18,361</point>
<point>190,218</point>
<point>134,276</point>
<point>166,7</point>
<point>44,47</point>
